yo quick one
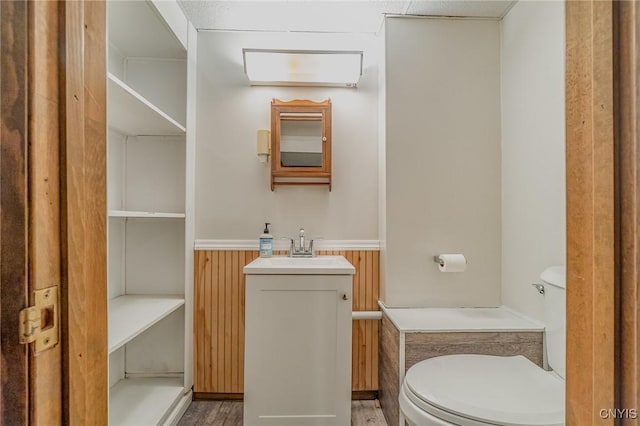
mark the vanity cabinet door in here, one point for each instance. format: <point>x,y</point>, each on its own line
<point>298,350</point>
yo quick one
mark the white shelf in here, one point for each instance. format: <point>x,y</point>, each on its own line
<point>132,114</point>
<point>137,30</point>
<point>145,215</point>
<point>143,401</point>
<point>130,315</point>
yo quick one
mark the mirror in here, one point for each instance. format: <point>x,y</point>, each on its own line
<point>301,140</point>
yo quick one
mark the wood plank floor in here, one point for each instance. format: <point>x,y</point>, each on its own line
<point>229,413</point>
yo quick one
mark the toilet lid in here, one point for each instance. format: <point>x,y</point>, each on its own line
<point>509,391</point>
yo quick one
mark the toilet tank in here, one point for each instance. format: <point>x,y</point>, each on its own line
<point>554,280</point>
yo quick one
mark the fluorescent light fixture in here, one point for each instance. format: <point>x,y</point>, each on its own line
<point>335,68</point>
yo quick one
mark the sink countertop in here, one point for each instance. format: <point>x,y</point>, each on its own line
<point>284,265</point>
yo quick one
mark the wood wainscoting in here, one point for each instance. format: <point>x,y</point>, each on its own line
<point>219,320</point>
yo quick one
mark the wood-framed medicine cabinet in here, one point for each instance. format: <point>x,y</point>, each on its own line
<point>300,143</point>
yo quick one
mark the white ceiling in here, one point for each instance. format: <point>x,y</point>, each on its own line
<point>356,16</point>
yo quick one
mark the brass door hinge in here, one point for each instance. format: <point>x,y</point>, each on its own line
<point>39,323</point>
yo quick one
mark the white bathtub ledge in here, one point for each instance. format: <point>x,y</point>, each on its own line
<point>447,320</point>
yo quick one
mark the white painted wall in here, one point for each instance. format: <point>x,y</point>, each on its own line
<point>442,161</point>
<point>233,196</point>
<point>533,149</point>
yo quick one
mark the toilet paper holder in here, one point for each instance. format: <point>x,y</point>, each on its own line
<point>440,258</point>
<point>452,262</point>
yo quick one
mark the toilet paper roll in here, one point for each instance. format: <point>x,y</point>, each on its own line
<point>452,263</point>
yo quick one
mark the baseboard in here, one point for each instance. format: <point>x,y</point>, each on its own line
<point>180,408</point>
<point>213,396</point>
<point>364,395</point>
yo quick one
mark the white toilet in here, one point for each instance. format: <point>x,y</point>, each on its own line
<point>485,390</point>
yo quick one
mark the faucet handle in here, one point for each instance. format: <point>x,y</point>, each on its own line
<point>311,248</point>
<point>291,244</point>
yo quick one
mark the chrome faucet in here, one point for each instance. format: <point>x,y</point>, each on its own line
<point>301,250</point>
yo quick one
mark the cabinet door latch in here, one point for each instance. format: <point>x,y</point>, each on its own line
<point>39,323</point>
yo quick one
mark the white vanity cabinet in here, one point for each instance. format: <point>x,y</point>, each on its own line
<point>298,341</point>
<point>150,175</point>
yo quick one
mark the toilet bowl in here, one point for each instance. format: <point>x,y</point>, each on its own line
<point>474,390</point>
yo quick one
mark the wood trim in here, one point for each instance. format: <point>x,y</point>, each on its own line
<point>44,197</point>
<point>590,212</point>
<point>293,104</point>
<point>13,209</point>
<point>364,395</point>
<point>627,42</point>
<point>389,370</point>
<point>219,319</point>
<point>211,396</point>
<point>420,346</point>
<point>83,192</point>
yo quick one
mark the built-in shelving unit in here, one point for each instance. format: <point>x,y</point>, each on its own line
<point>150,209</point>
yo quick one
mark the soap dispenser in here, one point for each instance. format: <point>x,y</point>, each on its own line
<point>266,242</point>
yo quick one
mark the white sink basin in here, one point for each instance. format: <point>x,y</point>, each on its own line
<point>319,265</point>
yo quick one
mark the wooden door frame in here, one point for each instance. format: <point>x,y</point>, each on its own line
<point>591,248</point>
<point>627,18</point>
<point>84,213</point>
<point>53,207</point>
<point>43,177</point>
<point>602,212</point>
<point>14,407</point>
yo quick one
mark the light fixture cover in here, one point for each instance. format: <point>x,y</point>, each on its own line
<point>335,68</point>
<point>264,145</point>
